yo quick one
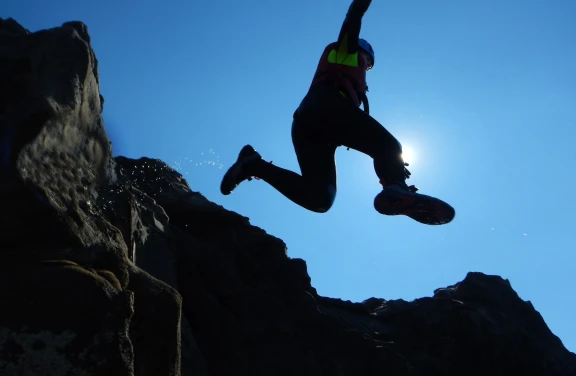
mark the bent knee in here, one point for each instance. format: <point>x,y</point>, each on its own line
<point>325,199</point>
<point>322,209</point>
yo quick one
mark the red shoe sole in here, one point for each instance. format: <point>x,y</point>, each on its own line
<point>421,208</point>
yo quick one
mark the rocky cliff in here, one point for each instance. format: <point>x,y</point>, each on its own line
<point>115,266</point>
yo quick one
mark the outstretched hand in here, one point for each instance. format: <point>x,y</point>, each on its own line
<point>360,6</point>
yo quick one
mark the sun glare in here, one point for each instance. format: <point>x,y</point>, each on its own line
<point>408,154</point>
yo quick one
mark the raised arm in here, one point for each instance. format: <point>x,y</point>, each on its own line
<point>350,31</point>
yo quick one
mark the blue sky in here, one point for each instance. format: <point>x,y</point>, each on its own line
<point>482,93</point>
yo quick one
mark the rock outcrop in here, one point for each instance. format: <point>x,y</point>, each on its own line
<point>114,266</point>
<point>73,301</point>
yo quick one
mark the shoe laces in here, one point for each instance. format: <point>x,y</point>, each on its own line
<point>407,174</point>
<point>409,188</point>
<point>412,189</point>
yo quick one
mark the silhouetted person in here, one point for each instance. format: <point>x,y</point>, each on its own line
<point>329,116</point>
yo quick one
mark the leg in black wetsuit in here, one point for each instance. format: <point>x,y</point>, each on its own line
<point>324,121</point>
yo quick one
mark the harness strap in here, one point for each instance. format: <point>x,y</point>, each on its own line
<point>338,84</point>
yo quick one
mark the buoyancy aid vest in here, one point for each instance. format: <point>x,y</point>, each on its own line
<point>345,71</point>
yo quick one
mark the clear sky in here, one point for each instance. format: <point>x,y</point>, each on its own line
<point>482,94</point>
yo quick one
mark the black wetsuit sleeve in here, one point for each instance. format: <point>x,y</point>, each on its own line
<point>350,31</point>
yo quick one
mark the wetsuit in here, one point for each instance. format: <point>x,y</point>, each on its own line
<point>329,116</point>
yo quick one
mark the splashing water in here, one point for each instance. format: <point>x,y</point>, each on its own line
<point>210,159</point>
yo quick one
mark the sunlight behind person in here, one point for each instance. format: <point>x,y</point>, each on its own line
<point>408,154</point>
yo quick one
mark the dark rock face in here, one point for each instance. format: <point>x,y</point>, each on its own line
<point>116,267</point>
<point>58,316</point>
<point>73,302</point>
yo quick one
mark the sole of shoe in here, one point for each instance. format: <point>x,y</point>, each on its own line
<point>421,208</point>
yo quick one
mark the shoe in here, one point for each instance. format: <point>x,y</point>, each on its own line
<point>400,199</point>
<point>237,173</point>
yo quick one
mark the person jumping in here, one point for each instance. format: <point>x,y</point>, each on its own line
<point>328,117</point>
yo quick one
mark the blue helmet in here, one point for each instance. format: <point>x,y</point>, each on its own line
<point>365,46</point>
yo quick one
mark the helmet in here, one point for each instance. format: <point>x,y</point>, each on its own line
<point>365,46</point>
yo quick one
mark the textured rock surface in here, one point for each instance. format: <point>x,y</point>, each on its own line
<point>114,266</point>
<point>60,316</point>
<point>70,286</point>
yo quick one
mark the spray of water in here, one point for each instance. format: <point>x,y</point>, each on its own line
<point>203,159</point>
